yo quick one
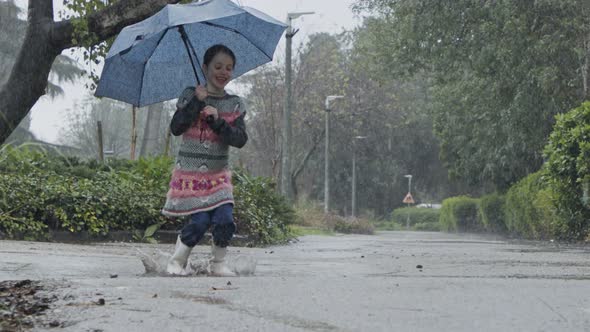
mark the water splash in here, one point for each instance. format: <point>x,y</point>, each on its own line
<point>243,265</point>
<point>155,264</point>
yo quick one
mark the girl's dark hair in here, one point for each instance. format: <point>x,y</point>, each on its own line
<point>214,50</point>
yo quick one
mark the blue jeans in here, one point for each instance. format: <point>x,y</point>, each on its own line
<point>223,226</point>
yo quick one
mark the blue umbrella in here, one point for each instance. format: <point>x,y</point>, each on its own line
<point>155,59</point>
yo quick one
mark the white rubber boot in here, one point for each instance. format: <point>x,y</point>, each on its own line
<point>177,263</point>
<point>217,267</point>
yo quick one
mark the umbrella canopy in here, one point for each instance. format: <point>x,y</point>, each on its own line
<point>155,59</point>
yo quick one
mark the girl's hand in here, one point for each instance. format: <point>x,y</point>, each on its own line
<point>201,92</point>
<point>210,110</point>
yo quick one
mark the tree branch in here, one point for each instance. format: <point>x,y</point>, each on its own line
<point>303,162</point>
<point>108,22</point>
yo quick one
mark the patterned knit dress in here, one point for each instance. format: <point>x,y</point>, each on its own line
<point>201,179</point>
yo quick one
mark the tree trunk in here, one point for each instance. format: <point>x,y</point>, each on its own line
<point>45,40</point>
<point>28,79</point>
<point>295,174</point>
<point>586,66</point>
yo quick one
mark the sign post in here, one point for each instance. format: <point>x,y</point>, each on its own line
<point>408,200</point>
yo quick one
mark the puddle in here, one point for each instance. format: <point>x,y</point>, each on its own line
<point>155,265</point>
<point>202,299</point>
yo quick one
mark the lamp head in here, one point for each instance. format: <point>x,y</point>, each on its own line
<point>295,15</point>
<point>331,98</point>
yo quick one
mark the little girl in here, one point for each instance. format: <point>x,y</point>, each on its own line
<point>209,120</point>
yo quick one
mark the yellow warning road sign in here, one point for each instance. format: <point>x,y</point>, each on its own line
<point>408,199</point>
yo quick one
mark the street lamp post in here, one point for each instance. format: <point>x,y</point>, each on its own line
<point>409,176</point>
<point>327,155</point>
<point>286,153</point>
<point>353,212</point>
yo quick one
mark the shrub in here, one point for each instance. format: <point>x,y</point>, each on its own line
<point>530,210</point>
<point>385,225</point>
<point>568,168</point>
<point>417,215</point>
<point>353,225</point>
<point>459,214</point>
<point>41,191</point>
<point>19,213</point>
<point>108,202</point>
<point>311,214</point>
<point>260,211</point>
<point>491,213</point>
<point>427,226</point>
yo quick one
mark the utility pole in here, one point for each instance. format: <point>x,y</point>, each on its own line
<point>286,150</point>
<point>327,156</point>
<point>354,173</point>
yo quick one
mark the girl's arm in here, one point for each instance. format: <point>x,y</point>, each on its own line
<point>185,116</point>
<point>235,134</point>
<point>231,135</point>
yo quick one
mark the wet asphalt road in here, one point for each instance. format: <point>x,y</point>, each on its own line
<point>392,281</point>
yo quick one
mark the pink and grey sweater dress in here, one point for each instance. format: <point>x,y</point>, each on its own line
<point>201,179</point>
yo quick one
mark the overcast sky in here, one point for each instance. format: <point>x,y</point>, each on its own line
<point>330,16</point>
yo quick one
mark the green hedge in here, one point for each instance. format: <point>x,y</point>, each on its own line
<point>568,169</point>
<point>40,191</point>
<point>531,211</point>
<point>427,227</point>
<point>460,214</point>
<point>110,201</point>
<point>417,215</point>
<point>491,213</point>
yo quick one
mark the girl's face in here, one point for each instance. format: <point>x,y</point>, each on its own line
<point>219,71</point>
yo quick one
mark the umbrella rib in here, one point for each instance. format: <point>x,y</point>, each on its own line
<point>187,44</point>
<point>239,33</point>
<point>144,67</point>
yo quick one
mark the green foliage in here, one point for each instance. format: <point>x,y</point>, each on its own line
<point>312,218</point>
<point>353,226</point>
<point>385,225</point>
<point>530,210</point>
<point>148,234</point>
<point>94,49</point>
<point>427,227</point>
<point>388,111</point>
<point>421,219</point>
<point>19,213</point>
<point>417,215</point>
<point>298,230</point>
<point>260,211</point>
<point>109,201</point>
<point>568,168</point>
<point>41,191</point>
<point>498,72</point>
<point>459,214</point>
<point>491,213</point>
